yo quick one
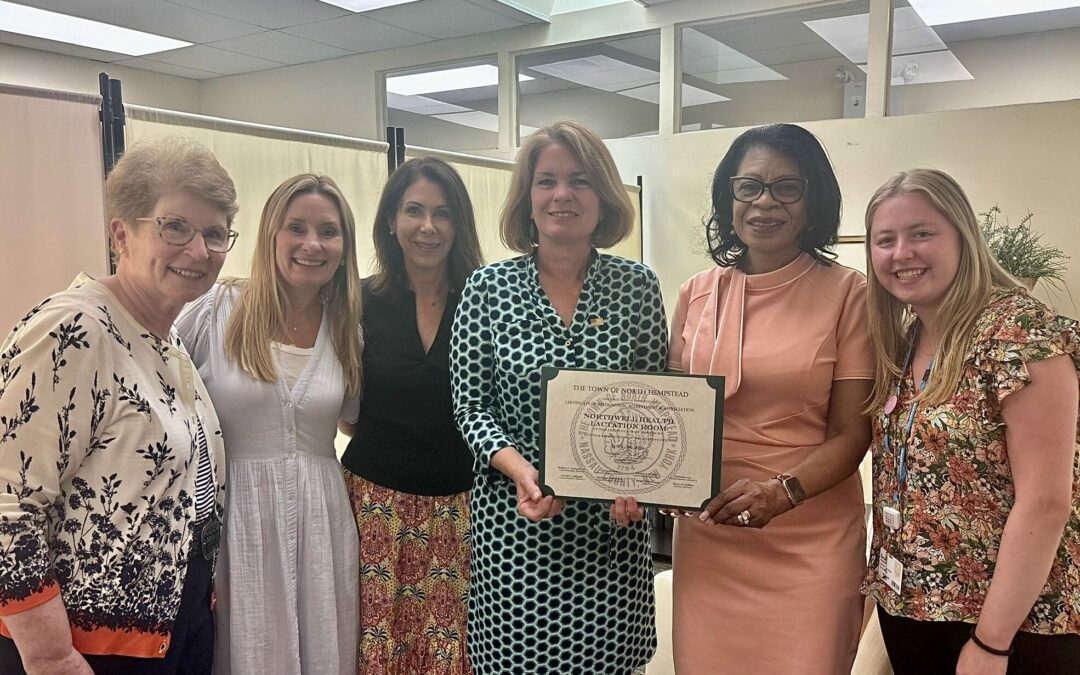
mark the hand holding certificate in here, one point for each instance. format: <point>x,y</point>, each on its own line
<point>654,436</point>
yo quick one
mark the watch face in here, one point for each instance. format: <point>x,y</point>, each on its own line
<point>795,489</point>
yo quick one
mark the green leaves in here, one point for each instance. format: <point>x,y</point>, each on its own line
<point>1019,249</point>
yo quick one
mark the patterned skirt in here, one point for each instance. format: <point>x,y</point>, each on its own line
<point>414,580</point>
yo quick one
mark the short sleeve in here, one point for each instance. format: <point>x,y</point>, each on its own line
<point>1013,332</point>
<point>193,325</point>
<point>55,392</point>
<point>854,360</point>
<point>677,343</point>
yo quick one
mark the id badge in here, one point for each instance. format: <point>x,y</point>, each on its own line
<point>894,573</point>
<point>891,517</point>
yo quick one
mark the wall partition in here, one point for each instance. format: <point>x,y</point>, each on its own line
<point>51,180</point>
<point>260,157</point>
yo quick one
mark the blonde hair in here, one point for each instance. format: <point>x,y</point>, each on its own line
<point>516,227</point>
<point>149,170</point>
<point>259,315</point>
<point>976,277</point>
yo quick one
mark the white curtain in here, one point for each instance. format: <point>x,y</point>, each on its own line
<point>259,158</point>
<point>488,182</point>
<point>51,189</point>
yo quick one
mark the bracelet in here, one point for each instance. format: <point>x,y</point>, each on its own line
<point>987,648</point>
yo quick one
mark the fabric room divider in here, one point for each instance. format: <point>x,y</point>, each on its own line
<point>51,189</point>
<point>260,157</point>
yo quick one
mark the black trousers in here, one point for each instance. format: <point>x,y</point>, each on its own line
<point>933,647</point>
<point>191,649</point>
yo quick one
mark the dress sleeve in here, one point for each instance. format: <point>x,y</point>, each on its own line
<point>193,325</point>
<point>1022,330</point>
<point>472,374</point>
<point>678,323</point>
<point>55,393</point>
<point>651,347</point>
<point>854,360</point>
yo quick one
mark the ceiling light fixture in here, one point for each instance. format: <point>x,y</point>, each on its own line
<point>451,79</point>
<point>938,12</point>
<point>365,5</point>
<point>83,32</point>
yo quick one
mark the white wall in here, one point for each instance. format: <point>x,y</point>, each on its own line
<point>45,70</point>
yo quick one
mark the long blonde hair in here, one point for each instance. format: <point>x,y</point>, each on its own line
<point>259,315</point>
<point>978,274</point>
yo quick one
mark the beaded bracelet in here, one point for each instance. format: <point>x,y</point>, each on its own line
<point>987,648</point>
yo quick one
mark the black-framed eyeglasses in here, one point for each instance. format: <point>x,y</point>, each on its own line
<point>785,190</point>
<point>178,232</point>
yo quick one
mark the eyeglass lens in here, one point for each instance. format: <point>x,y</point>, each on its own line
<point>785,190</point>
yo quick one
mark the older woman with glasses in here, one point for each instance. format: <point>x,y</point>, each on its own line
<point>111,458</point>
<point>766,578</point>
<point>280,354</point>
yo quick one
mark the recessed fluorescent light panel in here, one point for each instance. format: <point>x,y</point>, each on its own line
<point>850,35</point>
<point>451,79</point>
<point>83,32</point>
<point>712,60</point>
<point>938,12</point>
<point>365,5</point>
<point>567,6</point>
<point>421,105</point>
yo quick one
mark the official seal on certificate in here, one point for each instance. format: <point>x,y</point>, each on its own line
<point>655,436</point>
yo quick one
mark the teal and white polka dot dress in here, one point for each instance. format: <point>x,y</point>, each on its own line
<point>572,594</point>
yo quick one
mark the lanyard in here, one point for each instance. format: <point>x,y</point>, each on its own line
<point>890,406</point>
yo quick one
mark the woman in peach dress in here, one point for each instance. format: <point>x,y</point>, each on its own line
<point>766,578</point>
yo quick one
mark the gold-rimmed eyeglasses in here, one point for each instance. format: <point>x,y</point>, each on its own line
<point>179,232</point>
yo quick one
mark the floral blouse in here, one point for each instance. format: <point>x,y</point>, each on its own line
<point>102,426</point>
<point>959,489</point>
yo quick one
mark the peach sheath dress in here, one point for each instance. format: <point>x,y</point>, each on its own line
<point>785,598</point>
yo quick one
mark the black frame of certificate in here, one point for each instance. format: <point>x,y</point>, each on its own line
<point>715,382</point>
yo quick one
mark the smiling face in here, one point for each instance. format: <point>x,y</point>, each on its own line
<point>424,228</point>
<point>565,207</point>
<point>915,251</point>
<point>167,275</point>
<point>309,245</point>
<point>769,229</point>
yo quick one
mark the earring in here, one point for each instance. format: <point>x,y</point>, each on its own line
<point>534,235</point>
<point>392,233</point>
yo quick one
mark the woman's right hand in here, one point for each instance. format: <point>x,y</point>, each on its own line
<point>531,501</point>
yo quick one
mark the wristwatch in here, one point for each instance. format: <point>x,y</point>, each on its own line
<point>794,489</point>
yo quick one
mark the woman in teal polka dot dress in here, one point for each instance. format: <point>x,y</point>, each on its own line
<point>557,587</point>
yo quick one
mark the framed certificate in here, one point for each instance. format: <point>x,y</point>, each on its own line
<point>654,436</point>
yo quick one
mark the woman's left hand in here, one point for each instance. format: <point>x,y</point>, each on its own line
<point>625,510</point>
<point>976,661</point>
<point>761,500</point>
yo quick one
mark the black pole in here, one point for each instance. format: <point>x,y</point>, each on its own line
<point>400,136</point>
<point>641,210</point>
<point>106,121</point>
<point>119,119</point>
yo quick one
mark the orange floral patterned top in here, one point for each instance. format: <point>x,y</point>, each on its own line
<point>959,488</point>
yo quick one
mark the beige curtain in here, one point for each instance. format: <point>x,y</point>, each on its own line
<point>259,158</point>
<point>51,189</point>
<point>488,182</point>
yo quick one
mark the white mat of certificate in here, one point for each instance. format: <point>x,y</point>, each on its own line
<point>655,436</point>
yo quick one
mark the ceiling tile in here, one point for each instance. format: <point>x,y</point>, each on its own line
<point>443,18</point>
<point>508,9</point>
<point>144,63</point>
<point>357,33</point>
<point>269,13</point>
<point>31,42</point>
<point>202,57</point>
<point>153,16</point>
<point>277,46</point>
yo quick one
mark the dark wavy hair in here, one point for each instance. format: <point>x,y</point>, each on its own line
<point>822,192</point>
<point>465,255</point>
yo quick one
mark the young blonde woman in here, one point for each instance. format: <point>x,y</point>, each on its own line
<point>280,355</point>
<point>975,563</point>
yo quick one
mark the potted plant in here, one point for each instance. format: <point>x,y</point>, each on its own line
<point>1019,250</point>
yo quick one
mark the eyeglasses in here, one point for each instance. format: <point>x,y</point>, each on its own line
<point>785,190</point>
<point>179,232</point>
